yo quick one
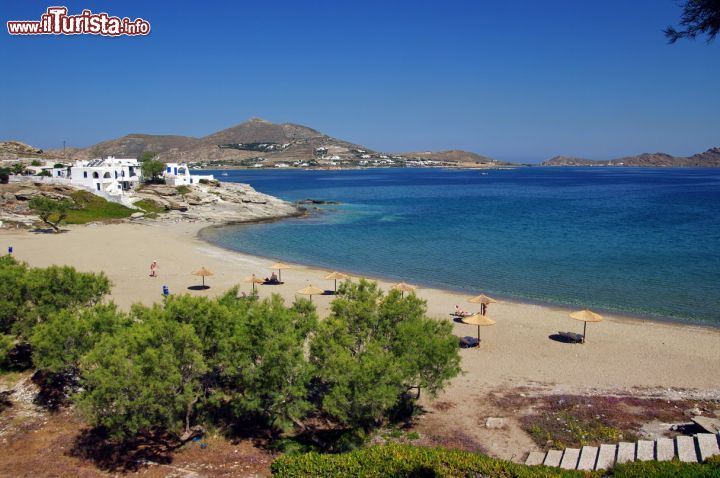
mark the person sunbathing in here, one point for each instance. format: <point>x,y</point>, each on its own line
<point>460,312</point>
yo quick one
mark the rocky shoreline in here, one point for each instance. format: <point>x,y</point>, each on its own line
<point>213,202</point>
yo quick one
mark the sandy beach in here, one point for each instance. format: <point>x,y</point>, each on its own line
<point>622,355</point>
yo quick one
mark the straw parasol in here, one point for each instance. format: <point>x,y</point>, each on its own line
<point>203,273</point>
<point>280,266</point>
<point>483,300</point>
<point>403,287</point>
<point>335,276</point>
<point>253,280</point>
<point>480,320</point>
<point>311,290</point>
<point>586,316</point>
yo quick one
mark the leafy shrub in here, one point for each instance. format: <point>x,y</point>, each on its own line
<point>404,460</point>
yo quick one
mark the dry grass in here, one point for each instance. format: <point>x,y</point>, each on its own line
<point>558,421</point>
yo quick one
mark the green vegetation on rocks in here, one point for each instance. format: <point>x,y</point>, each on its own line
<point>389,461</point>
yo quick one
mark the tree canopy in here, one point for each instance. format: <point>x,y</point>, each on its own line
<point>373,349</point>
<point>152,169</point>
<point>699,17</point>
<point>195,361</point>
<point>51,211</point>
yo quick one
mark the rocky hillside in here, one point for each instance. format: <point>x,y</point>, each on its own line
<point>11,150</point>
<point>253,141</point>
<point>260,143</point>
<point>707,159</point>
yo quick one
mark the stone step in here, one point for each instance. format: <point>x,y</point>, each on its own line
<point>664,449</point>
<point>686,448</point>
<point>707,445</point>
<point>553,458</point>
<point>626,452</point>
<point>606,457</point>
<point>645,450</point>
<point>588,455</point>
<point>535,458</point>
<point>570,458</point>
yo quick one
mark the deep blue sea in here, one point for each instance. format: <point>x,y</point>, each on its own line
<point>637,241</point>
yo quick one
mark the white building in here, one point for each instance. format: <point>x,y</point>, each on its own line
<point>178,174</point>
<point>111,176</point>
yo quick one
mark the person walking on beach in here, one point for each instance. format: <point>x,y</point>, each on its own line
<point>153,269</point>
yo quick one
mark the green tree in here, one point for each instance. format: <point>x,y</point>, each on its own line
<point>699,17</point>
<point>60,342</point>
<point>47,291</point>
<point>373,349</point>
<point>254,352</point>
<point>147,156</point>
<point>262,360</point>
<point>152,169</point>
<point>45,173</point>
<point>51,211</point>
<point>35,162</point>
<point>13,296</point>
<point>142,377</point>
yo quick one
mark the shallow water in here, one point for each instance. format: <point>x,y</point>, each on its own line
<point>632,240</point>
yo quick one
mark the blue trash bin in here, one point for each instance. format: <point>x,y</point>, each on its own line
<point>166,291</point>
<point>10,250</point>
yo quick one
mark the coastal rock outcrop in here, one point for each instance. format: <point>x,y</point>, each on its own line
<point>213,202</point>
<point>217,203</point>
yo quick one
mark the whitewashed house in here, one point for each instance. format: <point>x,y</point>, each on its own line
<point>178,174</point>
<point>110,176</point>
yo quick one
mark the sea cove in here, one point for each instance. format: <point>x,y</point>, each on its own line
<point>629,240</point>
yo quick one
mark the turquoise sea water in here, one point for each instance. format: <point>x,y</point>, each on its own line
<point>638,241</point>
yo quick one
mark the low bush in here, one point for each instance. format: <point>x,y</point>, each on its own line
<point>405,460</point>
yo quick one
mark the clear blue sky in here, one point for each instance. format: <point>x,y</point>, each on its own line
<point>520,80</point>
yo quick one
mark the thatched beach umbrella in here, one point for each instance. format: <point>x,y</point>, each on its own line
<point>480,320</point>
<point>253,280</point>
<point>586,316</point>
<point>280,266</point>
<point>311,290</point>
<point>335,276</point>
<point>403,287</point>
<point>203,273</point>
<point>483,300</point>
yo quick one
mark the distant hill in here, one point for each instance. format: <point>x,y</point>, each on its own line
<point>707,159</point>
<point>258,142</point>
<point>453,155</point>
<point>255,140</point>
<point>10,150</point>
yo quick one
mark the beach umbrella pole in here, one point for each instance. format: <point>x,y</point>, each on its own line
<point>584,331</point>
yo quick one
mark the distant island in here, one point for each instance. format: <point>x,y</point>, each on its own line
<point>258,143</point>
<point>707,159</point>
